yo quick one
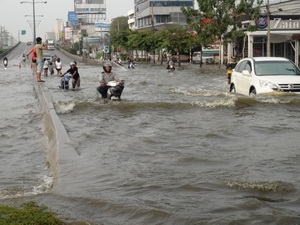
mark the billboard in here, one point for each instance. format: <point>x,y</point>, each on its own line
<point>68,33</point>
<point>102,26</point>
<point>72,17</point>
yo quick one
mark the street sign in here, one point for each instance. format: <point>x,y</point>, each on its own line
<point>106,49</point>
<point>23,32</point>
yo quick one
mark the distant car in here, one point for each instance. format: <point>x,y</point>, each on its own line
<point>258,75</point>
<point>28,43</point>
<point>47,56</point>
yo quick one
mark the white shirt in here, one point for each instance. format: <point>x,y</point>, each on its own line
<point>58,65</point>
<point>46,64</point>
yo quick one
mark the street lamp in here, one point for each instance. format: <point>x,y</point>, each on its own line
<point>33,10</point>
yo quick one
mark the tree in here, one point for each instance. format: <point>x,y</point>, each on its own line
<point>176,39</point>
<point>218,19</point>
<point>119,32</point>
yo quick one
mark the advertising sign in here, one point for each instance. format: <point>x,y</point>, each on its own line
<point>102,26</point>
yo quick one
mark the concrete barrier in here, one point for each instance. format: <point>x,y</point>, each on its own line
<point>60,149</point>
<point>81,59</point>
<point>9,50</point>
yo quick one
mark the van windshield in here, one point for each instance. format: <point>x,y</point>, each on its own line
<point>210,53</point>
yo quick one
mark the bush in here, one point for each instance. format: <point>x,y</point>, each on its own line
<point>30,213</point>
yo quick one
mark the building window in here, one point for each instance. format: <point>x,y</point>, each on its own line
<point>171,3</point>
<point>94,1</point>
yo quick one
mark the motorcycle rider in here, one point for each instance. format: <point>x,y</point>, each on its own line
<point>5,62</point>
<point>130,62</point>
<point>230,66</point>
<point>170,64</point>
<point>106,76</point>
<point>23,57</point>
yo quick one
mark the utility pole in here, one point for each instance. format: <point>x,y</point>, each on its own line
<point>152,18</point>
<point>269,30</point>
<point>1,39</point>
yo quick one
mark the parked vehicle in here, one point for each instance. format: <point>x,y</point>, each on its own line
<point>208,56</point>
<point>259,75</point>
<point>47,56</point>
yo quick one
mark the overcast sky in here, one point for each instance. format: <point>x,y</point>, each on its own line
<point>12,15</point>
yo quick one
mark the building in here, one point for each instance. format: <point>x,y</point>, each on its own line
<point>58,29</point>
<point>283,30</point>
<point>150,14</point>
<point>89,16</point>
<point>50,36</point>
<point>90,11</point>
<point>131,19</point>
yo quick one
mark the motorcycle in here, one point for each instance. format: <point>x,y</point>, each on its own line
<point>64,82</point>
<point>171,68</point>
<point>115,89</point>
<point>131,65</point>
<point>5,62</point>
<point>23,58</point>
<point>119,62</point>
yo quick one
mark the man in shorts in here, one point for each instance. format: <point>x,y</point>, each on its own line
<point>39,47</point>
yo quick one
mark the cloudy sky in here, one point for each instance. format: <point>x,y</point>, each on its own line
<point>12,15</point>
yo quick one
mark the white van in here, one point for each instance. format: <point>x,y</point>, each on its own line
<point>208,56</point>
<point>196,57</point>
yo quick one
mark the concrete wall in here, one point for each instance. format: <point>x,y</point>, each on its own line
<point>9,50</point>
<point>60,149</point>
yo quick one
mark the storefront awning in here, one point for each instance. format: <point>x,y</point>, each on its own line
<point>278,38</point>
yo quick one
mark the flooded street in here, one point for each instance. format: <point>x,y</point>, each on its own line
<point>177,149</point>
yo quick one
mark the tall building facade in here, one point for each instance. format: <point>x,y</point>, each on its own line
<point>160,14</point>
<point>90,11</point>
<point>58,29</point>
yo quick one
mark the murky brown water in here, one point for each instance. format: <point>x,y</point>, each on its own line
<point>178,149</point>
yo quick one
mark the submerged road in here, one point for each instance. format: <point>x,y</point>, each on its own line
<point>178,149</point>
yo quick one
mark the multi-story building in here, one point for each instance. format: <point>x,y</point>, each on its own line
<point>90,11</point>
<point>58,29</point>
<point>131,19</point>
<point>152,14</point>
<point>88,16</point>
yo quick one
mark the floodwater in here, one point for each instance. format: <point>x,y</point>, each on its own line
<point>178,149</point>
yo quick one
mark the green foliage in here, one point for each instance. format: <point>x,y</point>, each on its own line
<point>220,19</point>
<point>30,214</point>
<point>118,24</point>
<point>120,39</point>
<point>176,39</point>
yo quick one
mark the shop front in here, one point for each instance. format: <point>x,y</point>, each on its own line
<point>284,33</point>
